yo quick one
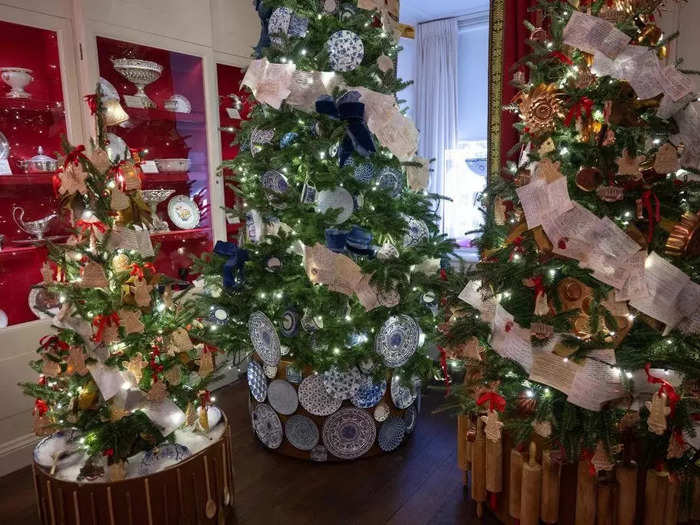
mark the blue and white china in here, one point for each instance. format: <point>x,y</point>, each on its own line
<point>403,396</point>
<point>301,432</point>
<point>282,396</point>
<point>349,433</point>
<point>416,232</point>
<point>264,337</point>
<point>268,426</point>
<point>256,381</point>
<point>342,384</point>
<point>391,433</point>
<point>345,51</point>
<point>161,457</point>
<point>314,398</point>
<point>369,393</point>
<point>397,340</point>
<point>61,449</point>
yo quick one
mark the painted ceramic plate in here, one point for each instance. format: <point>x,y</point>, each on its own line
<point>410,416</point>
<point>301,432</point>
<point>290,323</point>
<point>397,340</point>
<point>391,181</point>
<point>314,398</point>
<point>349,433</point>
<point>342,384</point>
<point>363,172</point>
<point>369,393</point>
<point>271,371</point>
<point>338,198</point>
<point>274,182</point>
<point>416,232</point>
<point>268,426</point>
<point>293,375</point>
<point>43,303</point>
<point>382,411</point>
<point>62,448</point>
<point>256,381</point>
<point>279,21</point>
<point>264,338</point>
<point>183,211</point>
<point>282,396</point>
<point>402,396</point>
<point>116,148</point>
<point>254,227</point>
<point>345,51</point>
<point>163,456</point>
<point>391,433</point>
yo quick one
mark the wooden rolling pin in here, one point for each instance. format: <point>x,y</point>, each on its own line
<point>673,501</point>
<point>695,507</point>
<point>655,497</point>
<point>626,493</point>
<point>605,513</point>
<point>531,489</point>
<point>494,466</point>
<point>479,469</point>
<point>551,484</point>
<point>515,482</point>
<point>585,494</point>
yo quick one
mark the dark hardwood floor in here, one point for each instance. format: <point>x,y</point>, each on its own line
<point>417,484</point>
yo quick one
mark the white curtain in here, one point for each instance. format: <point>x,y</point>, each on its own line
<point>436,96</point>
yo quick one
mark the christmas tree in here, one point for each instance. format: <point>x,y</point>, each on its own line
<point>122,372</point>
<point>340,267</point>
<point>581,318</point>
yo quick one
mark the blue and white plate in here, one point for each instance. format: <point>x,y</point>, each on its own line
<point>290,323</point>
<point>342,384</point>
<point>403,396</point>
<point>274,182</point>
<point>363,172</point>
<point>279,21</point>
<point>288,139</point>
<point>314,398</point>
<point>260,137</point>
<point>391,433</point>
<point>282,396</point>
<point>267,426</point>
<point>397,340</point>
<point>416,232</point>
<point>271,371</point>
<point>391,181</point>
<point>349,433</point>
<point>410,416</point>
<point>294,375</point>
<point>336,199</point>
<point>369,393</point>
<point>161,457</point>
<point>345,51</point>
<point>264,337</point>
<point>256,381</point>
<point>302,432</point>
<point>61,448</point>
<point>254,226</point>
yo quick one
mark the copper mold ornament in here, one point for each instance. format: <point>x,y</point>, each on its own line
<point>541,108</point>
<point>683,238</point>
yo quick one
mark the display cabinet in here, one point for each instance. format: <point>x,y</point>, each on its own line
<point>233,109</point>
<point>33,122</point>
<point>162,92</point>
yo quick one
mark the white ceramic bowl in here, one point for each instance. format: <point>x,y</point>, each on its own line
<point>173,165</point>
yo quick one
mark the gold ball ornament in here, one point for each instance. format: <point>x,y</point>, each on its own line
<point>541,108</point>
<point>120,262</point>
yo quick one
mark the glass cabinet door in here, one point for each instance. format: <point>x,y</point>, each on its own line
<point>32,126</point>
<point>162,92</point>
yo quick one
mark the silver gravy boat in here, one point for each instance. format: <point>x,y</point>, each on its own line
<point>35,228</point>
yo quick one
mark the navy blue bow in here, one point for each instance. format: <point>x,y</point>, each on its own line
<point>350,110</point>
<point>233,267</point>
<point>264,13</point>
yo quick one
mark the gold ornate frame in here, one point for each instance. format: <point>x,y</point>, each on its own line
<point>496,33</point>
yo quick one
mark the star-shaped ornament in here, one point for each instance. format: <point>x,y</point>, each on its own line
<point>657,413</point>
<point>130,320</point>
<point>493,427</point>
<point>72,180</point>
<point>628,165</point>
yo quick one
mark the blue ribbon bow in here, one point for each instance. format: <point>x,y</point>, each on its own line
<point>350,110</point>
<point>264,13</point>
<point>233,267</point>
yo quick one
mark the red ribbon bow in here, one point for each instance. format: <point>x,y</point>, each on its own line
<point>583,106</point>
<point>52,342</point>
<point>74,156</point>
<point>562,57</point>
<point>101,321</point>
<point>109,452</point>
<point>443,365</point>
<point>665,388</point>
<point>91,102</point>
<point>653,211</point>
<point>138,271</point>
<point>496,402</point>
<point>40,407</point>
<point>84,226</point>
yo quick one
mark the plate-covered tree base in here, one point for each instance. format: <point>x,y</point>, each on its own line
<point>331,416</point>
<point>199,489</point>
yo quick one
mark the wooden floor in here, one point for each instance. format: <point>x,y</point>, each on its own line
<point>417,484</point>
